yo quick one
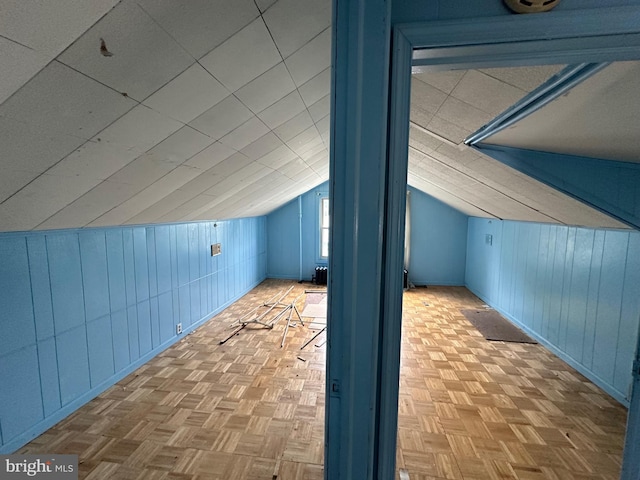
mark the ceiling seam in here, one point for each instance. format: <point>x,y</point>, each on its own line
<point>454,195</point>
<point>485,184</point>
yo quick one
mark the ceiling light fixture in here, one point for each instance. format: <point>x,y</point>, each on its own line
<point>531,6</point>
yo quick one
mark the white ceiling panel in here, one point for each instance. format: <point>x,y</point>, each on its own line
<point>311,59</point>
<point>210,156</point>
<point>598,118</point>
<point>426,97</point>
<point>80,107</point>
<point>245,134</point>
<point>42,198</point>
<point>165,205</point>
<point>320,109</point>
<point>283,110</point>
<point>448,130</point>
<point>27,148</point>
<point>243,57</point>
<point>49,27</point>
<point>463,114</point>
<point>18,64</point>
<point>144,56</point>
<point>262,146</point>
<point>77,151</point>
<point>280,156</point>
<point>11,181</point>
<point>181,145</point>
<point>205,24</point>
<point>486,93</point>
<point>298,124</point>
<point>147,197</point>
<point>323,124</point>
<point>142,171</point>
<point>444,81</point>
<point>305,140</point>
<point>179,213</point>
<point>230,165</point>
<point>311,18</point>
<point>312,149</point>
<point>187,96</point>
<point>263,5</point>
<point>140,129</point>
<point>423,141</point>
<point>267,89</point>
<point>90,206</point>
<point>525,78</point>
<point>94,160</point>
<point>316,88</point>
<point>222,118</point>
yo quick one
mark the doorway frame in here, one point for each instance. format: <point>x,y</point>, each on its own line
<point>580,36</point>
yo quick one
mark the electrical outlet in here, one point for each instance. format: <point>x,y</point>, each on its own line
<point>178,329</point>
<point>215,249</point>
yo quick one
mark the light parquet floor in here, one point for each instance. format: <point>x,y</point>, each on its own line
<point>249,410</point>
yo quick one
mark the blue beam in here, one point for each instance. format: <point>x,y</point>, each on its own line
<point>609,186</point>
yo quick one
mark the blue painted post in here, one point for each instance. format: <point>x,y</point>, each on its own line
<point>365,289</point>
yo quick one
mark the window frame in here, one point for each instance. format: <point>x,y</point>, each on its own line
<point>323,199</point>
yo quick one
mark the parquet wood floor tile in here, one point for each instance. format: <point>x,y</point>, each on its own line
<point>248,410</point>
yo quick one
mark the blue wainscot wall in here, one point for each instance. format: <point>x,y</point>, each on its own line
<point>438,239</point>
<point>293,233</point>
<point>81,309</point>
<point>574,289</point>
<point>438,242</point>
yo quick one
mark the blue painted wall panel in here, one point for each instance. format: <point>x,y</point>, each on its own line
<point>134,333</point>
<point>20,398</point>
<point>120,338</point>
<point>129,266</point>
<point>184,294</point>
<point>100,348</point>
<point>165,315</point>
<point>48,365</point>
<point>73,363</point>
<point>583,294</point>
<point>163,258</point>
<point>194,294</point>
<point>141,265</point>
<point>155,322</point>
<point>101,301</point>
<point>40,287</point>
<point>182,253</point>
<point>144,327</point>
<point>577,300</point>
<point>151,261</point>
<point>15,303</point>
<point>66,281</point>
<point>628,328</point>
<point>438,240</point>
<point>94,274</point>
<point>115,265</point>
<point>592,298</point>
<point>609,303</point>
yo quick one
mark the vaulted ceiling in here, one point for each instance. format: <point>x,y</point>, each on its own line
<point>146,111</point>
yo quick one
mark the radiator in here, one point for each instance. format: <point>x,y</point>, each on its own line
<point>321,276</point>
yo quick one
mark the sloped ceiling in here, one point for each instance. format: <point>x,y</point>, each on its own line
<point>568,124</point>
<point>144,111</point>
<point>189,110</point>
<point>448,106</point>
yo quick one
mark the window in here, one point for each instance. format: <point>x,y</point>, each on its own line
<point>324,227</point>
